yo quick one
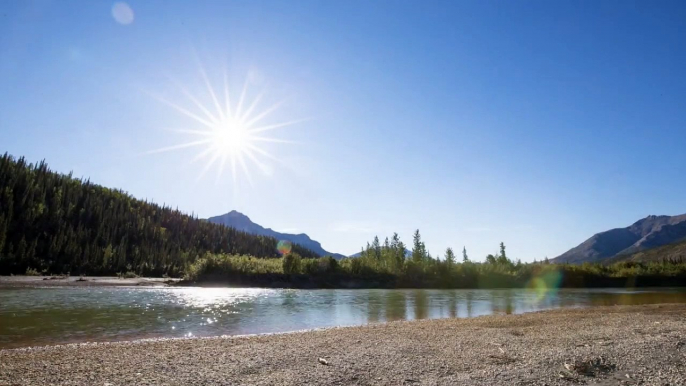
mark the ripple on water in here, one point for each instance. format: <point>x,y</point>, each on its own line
<point>30,316</point>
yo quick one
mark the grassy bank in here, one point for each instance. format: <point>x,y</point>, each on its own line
<point>365,272</point>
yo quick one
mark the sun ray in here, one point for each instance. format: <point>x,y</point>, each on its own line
<point>208,165</point>
<point>264,153</point>
<point>241,160</point>
<point>233,169</point>
<point>210,89</point>
<point>276,126</point>
<point>265,113</point>
<point>202,154</point>
<point>190,131</point>
<point>241,99</point>
<point>227,97</point>
<point>259,163</point>
<point>180,146</point>
<point>182,110</point>
<point>249,110</point>
<point>220,169</point>
<point>275,140</point>
<point>195,101</point>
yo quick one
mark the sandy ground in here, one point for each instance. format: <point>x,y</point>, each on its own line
<point>101,281</point>
<point>622,345</point>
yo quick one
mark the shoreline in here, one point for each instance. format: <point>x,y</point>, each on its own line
<point>22,281</point>
<point>248,282</point>
<point>601,345</point>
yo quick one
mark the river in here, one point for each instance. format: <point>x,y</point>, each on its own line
<point>43,316</point>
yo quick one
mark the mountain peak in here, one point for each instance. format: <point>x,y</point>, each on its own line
<point>238,220</point>
<point>235,213</point>
<point>649,232</point>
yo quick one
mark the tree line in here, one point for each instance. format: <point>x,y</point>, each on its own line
<point>421,269</point>
<point>55,223</point>
<point>391,265</point>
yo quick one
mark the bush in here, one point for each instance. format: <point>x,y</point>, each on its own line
<point>127,275</point>
<point>310,266</point>
<point>32,272</point>
<point>291,263</point>
<point>328,264</point>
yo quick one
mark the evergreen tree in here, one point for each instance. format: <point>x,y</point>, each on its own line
<point>465,258</point>
<point>502,257</point>
<point>376,248</point>
<point>418,248</point>
<point>398,248</point>
<point>449,256</point>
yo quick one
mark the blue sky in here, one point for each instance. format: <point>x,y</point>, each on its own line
<point>536,123</point>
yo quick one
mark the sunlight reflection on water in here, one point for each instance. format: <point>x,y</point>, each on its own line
<point>31,316</point>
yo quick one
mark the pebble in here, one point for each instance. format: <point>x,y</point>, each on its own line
<point>475,351</point>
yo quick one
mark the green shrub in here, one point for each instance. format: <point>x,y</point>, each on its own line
<point>328,264</point>
<point>291,263</point>
<point>127,275</point>
<point>32,272</point>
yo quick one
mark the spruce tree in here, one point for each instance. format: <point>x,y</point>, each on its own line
<point>449,256</point>
<point>418,248</point>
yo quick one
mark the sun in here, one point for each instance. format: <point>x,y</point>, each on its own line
<point>230,136</point>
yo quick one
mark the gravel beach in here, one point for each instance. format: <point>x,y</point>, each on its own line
<point>83,281</point>
<point>622,345</point>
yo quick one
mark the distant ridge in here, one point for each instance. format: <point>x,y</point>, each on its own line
<point>616,244</point>
<point>243,223</point>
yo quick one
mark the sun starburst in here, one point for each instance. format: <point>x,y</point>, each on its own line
<point>230,134</point>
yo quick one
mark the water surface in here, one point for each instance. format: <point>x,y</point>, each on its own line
<point>40,316</point>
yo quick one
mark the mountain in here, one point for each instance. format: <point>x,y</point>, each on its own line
<point>243,223</point>
<point>618,244</point>
<point>675,252</point>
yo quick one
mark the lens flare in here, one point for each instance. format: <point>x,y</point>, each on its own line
<point>284,247</point>
<point>122,13</point>
<point>546,282</point>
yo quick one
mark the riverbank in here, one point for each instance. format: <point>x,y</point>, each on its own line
<point>604,346</point>
<point>83,281</point>
<point>308,282</point>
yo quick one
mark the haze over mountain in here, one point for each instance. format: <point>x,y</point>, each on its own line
<point>647,233</point>
<point>243,223</point>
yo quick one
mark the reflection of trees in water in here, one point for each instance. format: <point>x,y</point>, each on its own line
<point>396,305</point>
<point>501,302</point>
<point>470,301</point>
<point>452,306</point>
<point>610,299</point>
<point>374,310</point>
<point>421,304</point>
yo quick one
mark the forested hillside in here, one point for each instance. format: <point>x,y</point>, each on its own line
<point>55,223</point>
<point>674,253</point>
